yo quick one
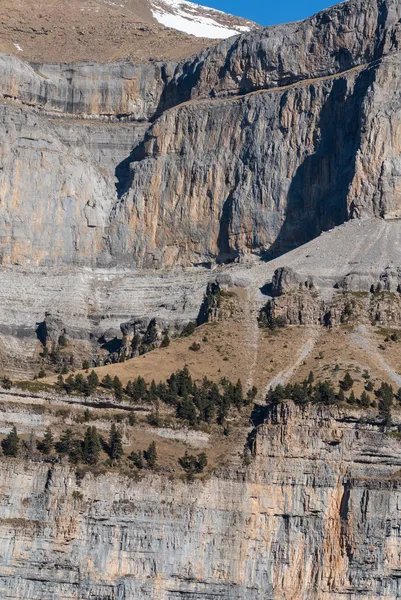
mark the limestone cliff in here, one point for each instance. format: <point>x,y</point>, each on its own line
<point>254,146</point>
<point>315,516</point>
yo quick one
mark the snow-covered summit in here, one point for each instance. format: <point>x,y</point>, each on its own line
<point>198,20</point>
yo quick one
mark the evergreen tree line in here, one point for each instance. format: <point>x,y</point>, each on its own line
<point>323,392</point>
<point>88,450</point>
<point>194,403</point>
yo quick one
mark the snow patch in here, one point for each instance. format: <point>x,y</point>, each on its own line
<point>18,47</point>
<point>187,17</point>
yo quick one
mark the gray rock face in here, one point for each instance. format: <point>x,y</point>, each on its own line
<point>334,40</point>
<point>315,516</point>
<point>358,297</point>
<point>118,90</point>
<point>255,146</point>
<point>286,279</point>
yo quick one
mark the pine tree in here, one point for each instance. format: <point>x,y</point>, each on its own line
<point>324,393</point>
<point>115,443</point>
<point>65,444</point>
<point>251,395</point>
<point>238,399</point>
<point>347,383</point>
<point>150,455</point>
<point>11,443</point>
<point>385,395</point>
<point>69,384</point>
<point>129,389</point>
<point>107,382</point>
<point>60,382</point>
<point>91,446</point>
<point>186,411</point>
<point>79,383</point>
<point>151,333</point>
<point>299,395</point>
<point>152,391</point>
<point>137,459</point>
<point>192,464</point>
<point>351,398</point>
<point>93,380</point>
<point>45,446</point>
<point>85,365</point>
<point>365,400</point>
<point>341,395</point>
<point>118,388</point>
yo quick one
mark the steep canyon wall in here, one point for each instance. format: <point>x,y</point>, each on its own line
<point>254,146</point>
<point>316,515</point>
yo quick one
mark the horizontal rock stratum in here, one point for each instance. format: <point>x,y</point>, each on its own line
<point>253,146</point>
<point>315,516</point>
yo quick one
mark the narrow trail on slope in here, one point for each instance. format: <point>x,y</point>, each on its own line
<point>362,339</point>
<point>281,88</point>
<point>285,375</point>
<point>251,310</point>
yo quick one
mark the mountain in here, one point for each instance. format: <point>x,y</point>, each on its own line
<point>213,229</point>
<point>103,31</point>
<point>198,20</point>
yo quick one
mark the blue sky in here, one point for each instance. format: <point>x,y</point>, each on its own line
<point>269,13</point>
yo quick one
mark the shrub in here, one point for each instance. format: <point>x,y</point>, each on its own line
<point>6,383</point>
<point>189,329</point>
<point>195,347</point>
<point>165,341</point>
<point>62,340</point>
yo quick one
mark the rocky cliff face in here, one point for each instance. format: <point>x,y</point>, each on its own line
<point>358,297</point>
<point>254,146</point>
<point>315,516</point>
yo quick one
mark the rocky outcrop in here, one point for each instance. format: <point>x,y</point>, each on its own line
<point>334,40</point>
<point>114,91</point>
<point>315,516</point>
<point>356,297</point>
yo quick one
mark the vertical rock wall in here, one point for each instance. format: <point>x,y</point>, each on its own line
<point>315,516</point>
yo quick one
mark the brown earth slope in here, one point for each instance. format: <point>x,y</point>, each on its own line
<point>99,30</point>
